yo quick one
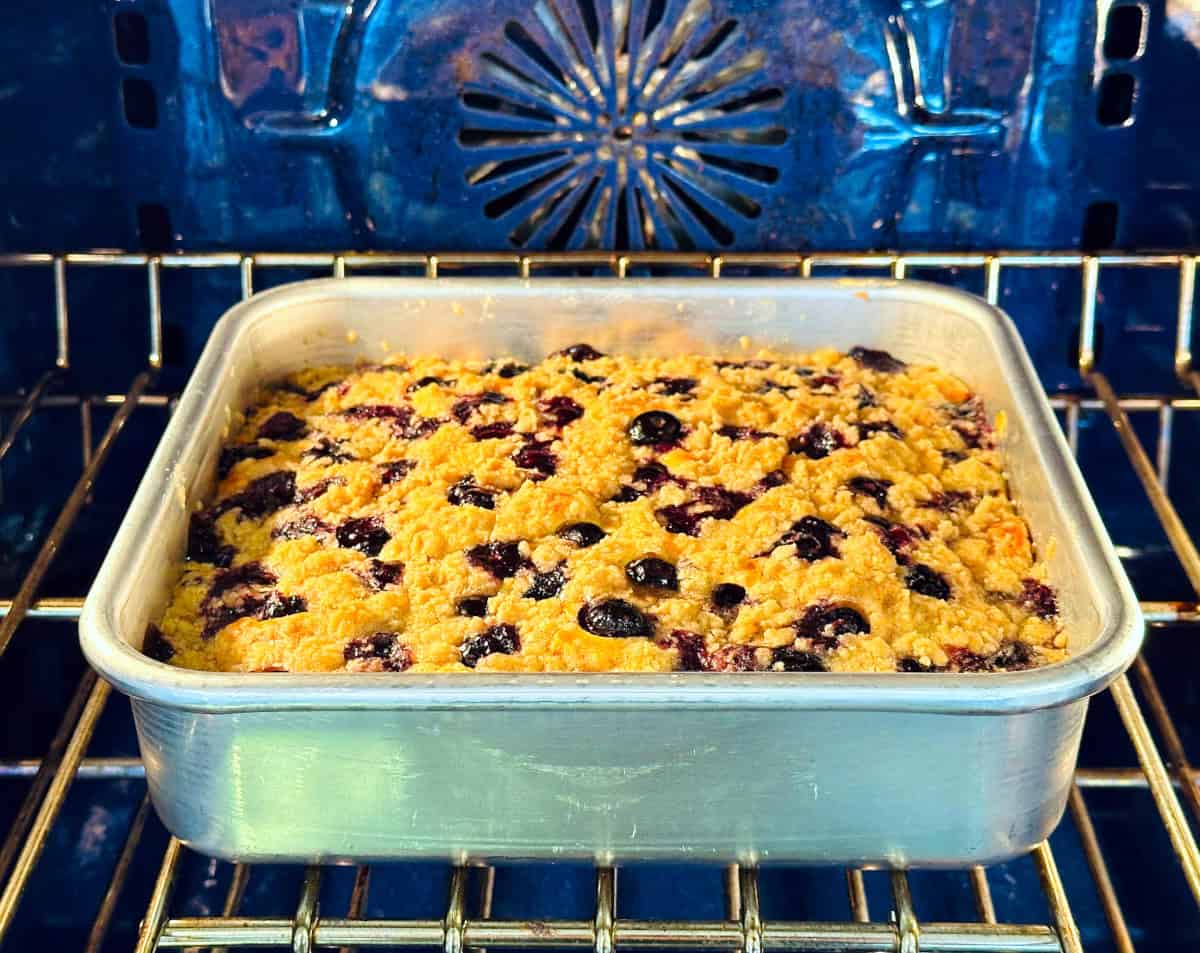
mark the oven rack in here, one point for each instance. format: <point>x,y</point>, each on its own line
<point>1139,701</point>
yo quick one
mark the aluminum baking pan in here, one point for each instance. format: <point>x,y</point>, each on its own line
<point>901,769</point>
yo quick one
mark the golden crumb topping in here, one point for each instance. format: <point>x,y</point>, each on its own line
<point>820,512</point>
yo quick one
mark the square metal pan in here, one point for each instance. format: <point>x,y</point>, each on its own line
<point>829,768</point>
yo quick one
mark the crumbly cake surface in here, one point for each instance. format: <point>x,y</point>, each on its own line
<point>821,512</point>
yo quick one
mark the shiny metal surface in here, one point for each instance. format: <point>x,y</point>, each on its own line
<point>243,766</point>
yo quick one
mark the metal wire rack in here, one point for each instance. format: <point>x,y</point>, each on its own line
<point>1138,697</point>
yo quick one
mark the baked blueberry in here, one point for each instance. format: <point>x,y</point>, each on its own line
<point>880,361</point>
<point>652,572</point>
<point>615,619</point>
<point>734,658</point>
<point>395,472</point>
<point>948,500</point>
<point>693,656</point>
<point>494,640</point>
<point>654,428</point>
<point>771,480</point>
<point>493,431</point>
<point>926,581</point>
<point>818,442</point>
<point>156,645</point>
<point>378,412</point>
<point>282,426</point>
<point>876,490</point>
<point>1013,656</point>
<point>511,369</point>
<point>378,652</point>
<point>329,450</point>
<point>587,378</point>
<point>265,495</point>
<point>229,457</point>
<point>426,381</point>
<point>813,538</point>
<point>900,540</point>
<point>582,535</point>
<point>580,352</point>
<point>674,386</point>
<point>910,664</point>
<point>276,605</point>
<point>824,624</point>
<point>463,409</point>
<point>306,525</point>
<point>502,559</point>
<point>246,575</point>
<point>794,660</point>
<point>1038,598</point>
<point>381,573</point>
<point>320,488</point>
<point>559,411</point>
<point>537,456</point>
<point>869,428</point>
<point>731,432</point>
<point>366,534</point>
<point>204,542</point>
<point>726,595</point>
<point>474,607</point>
<point>466,493</point>
<point>546,585</point>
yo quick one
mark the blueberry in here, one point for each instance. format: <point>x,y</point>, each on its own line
<point>466,493</point>
<point>511,370</point>
<point>496,431</point>
<point>282,426</point>
<point>727,595</point>
<point>276,606</point>
<point>953,456</point>
<point>243,576</point>
<point>381,573</point>
<point>395,472</point>
<point>652,572</point>
<point>771,480</point>
<point>559,411</point>
<point>1013,656</point>
<point>824,624</point>
<point>463,409</point>
<point>679,518</point>
<point>615,619</point>
<point>734,658</point>
<point>379,652</point>
<point>869,428</point>
<point>265,495</point>
<point>582,535</point>
<point>546,585</point>
<point>1038,598</point>
<point>425,382</point>
<point>693,656</point>
<point>320,488</point>
<point>366,534</point>
<point>880,361</point>
<point>537,456</point>
<point>231,456</point>
<point>587,378</point>
<point>866,398</point>
<point>326,449</point>
<point>654,427</point>
<point>813,538</point>
<point>474,607</point>
<point>817,442</point>
<point>731,432</point>
<point>877,490</point>
<point>675,386</point>
<point>378,412</point>
<point>497,639</point>
<point>900,540</point>
<point>948,500</point>
<point>793,660</point>
<point>964,660</point>
<point>204,543</point>
<point>306,525</point>
<point>718,503</point>
<point>580,352</point>
<point>156,646</point>
<point>910,664</point>
<point>502,560</point>
<point>417,428</point>
<point>925,581</point>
